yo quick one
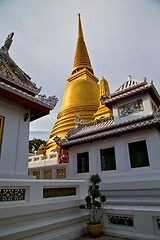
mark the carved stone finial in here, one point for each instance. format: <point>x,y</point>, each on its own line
<point>58,140</point>
<point>51,100</point>
<point>129,77</point>
<point>78,121</point>
<point>8,42</point>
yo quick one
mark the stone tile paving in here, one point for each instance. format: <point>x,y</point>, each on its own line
<point>102,237</point>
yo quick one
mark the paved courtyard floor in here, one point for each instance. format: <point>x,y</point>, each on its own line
<point>102,237</point>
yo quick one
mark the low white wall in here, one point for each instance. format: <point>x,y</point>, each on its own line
<point>34,190</point>
<point>144,227</point>
<point>42,218</point>
<point>139,200</point>
<point>38,218</point>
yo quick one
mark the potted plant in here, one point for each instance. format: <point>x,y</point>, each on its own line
<point>93,204</point>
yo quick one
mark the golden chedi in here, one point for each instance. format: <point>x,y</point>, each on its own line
<point>81,94</point>
<point>104,92</point>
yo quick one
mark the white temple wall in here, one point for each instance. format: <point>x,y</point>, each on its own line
<point>132,193</point>
<point>14,151</point>
<point>123,167</point>
<point>32,214</point>
<point>145,222</point>
<point>58,217</point>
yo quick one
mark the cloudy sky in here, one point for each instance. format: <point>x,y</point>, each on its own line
<point>122,38</point>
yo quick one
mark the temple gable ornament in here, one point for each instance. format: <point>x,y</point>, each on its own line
<point>7,43</point>
<point>51,100</point>
<point>131,108</point>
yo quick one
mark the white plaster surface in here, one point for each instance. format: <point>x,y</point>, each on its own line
<point>129,191</point>
<point>14,153</point>
<point>39,218</point>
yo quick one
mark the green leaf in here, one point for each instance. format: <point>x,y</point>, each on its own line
<point>103,198</point>
<point>95,179</point>
<point>88,199</point>
<point>82,206</point>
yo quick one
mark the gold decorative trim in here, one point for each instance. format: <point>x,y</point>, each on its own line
<point>81,73</point>
<point>36,174</point>
<point>61,173</point>
<point>1,130</point>
<point>12,195</point>
<point>48,174</point>
<point>59,192</point>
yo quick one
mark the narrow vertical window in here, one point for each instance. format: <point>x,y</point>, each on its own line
<point>138,154</point>
<point>108,161</point>
<point>82,162</point>
<point>1,130</point>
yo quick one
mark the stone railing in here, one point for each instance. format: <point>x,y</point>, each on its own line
<point>32,191</point>
<point>40,158</point>
<point>47,167</point>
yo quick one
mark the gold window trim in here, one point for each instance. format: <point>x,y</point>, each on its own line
<point>1,130</point>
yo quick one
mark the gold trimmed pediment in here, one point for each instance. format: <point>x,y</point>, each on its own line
<point>6,71</point>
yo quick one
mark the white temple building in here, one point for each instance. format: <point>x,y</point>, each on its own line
<point>125,151</point>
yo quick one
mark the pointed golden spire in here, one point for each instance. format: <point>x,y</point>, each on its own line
<point>81,59</point>
<point>80,32</point>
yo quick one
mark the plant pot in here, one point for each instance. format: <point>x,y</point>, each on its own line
<point>95,230</point>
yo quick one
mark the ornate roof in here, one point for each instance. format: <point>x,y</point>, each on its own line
<point>109,130</point>
<point>11,74</point>
<point>105,127</point>
<point>131,82</point>
<point>39,106</point>
<point>139,88</point>
<point>17,85</point>
<point>90,127</point>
